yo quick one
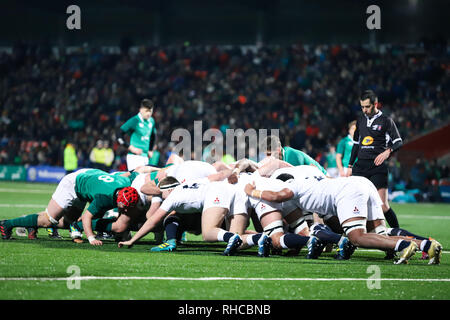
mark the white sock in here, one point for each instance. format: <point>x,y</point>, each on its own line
<point>282,242</point>
<point>220,235</point>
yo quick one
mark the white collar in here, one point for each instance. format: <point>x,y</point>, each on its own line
<point>375,116</point>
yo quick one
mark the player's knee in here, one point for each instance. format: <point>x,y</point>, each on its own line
<point>354,230</point>
<point>276,243</point>
<point>46,221</point>
<point>170,220</point>
<point>300,227</point>
<point>119,227</point>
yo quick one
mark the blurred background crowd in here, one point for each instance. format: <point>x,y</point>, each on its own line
<point>50,98</point>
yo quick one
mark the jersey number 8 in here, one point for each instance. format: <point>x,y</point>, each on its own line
<point>106,178</point>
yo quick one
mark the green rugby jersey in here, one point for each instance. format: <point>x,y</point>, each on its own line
<point>298,158</point>
<point>344,148</point>
<point>154,173</point>
<point>98,188</point>
<point>141,131</point>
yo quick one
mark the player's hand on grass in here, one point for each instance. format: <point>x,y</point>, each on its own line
<point>96,242</point>
<point>249,188</point>
<point>125,243</point>
<point>382,156</point>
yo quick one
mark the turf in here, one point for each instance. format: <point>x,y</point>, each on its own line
<point>38,269</point>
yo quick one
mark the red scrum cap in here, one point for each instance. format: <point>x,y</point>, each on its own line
<point>128,196</point>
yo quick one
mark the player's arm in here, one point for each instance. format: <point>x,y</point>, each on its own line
<point>87,226</point>
<point>152,142</point>
<point>272,196</point>
<point>232,175</point>
<point>339,154</point>
<point>153,207</point>
<point>146,227</point>
<point>150,189</point>
<point>271,166</point>
<point>397,142</point>
<point>355,150</point>
<point>125,129</point>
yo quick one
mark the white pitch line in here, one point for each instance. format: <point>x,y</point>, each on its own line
<point>410,216</point>
<point>22,191</point>
<point>7,205</point>
<point>218,279</point>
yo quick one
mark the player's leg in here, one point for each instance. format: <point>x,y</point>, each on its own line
<point>354,207</point>
<point>273,227</point>
<point>238,224</point>
<point>171,225</point>
<point>212,219</point>
<point>174,159</point>
<point>44,219</point>
<point>430,247</point>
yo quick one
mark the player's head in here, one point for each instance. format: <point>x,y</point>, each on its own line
<point>166,185</point>
<point>285,177</point>
<point>127,197</point>
<point>146,108</point>
<point>352,128</point>
<point>271,146</point>
<point>368,101</point>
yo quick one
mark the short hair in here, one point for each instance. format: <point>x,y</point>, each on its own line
<point>168,183</point>
<point>368,94</point>
<point>147,103</point>
<point>270,143</point>
<point>285,177</point>
<point>351,124</point>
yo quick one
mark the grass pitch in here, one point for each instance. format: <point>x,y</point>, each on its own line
<point>44,268</point>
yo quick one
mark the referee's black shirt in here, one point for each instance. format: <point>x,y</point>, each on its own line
<point>374,135</point>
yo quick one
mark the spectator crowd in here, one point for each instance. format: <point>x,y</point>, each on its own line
<point>49,97</point>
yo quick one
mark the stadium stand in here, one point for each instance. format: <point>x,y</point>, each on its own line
<point>310,93</point>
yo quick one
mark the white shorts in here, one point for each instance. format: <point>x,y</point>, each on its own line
<point>219,195</point>
<point>333,172</point>
<point>65,195</point>
<point>137,183</point>
<point>262,206</point>
<point>240,203</point>
<point>134,161</point>
<point>360,199</point>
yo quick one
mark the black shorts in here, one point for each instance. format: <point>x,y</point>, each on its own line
<point>377,174</point>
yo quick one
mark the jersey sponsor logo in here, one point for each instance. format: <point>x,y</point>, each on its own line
<point>368,140</point>
<point>141,125</point>
<point>377,127</point>
<point>356,210</point>
<point>263,206</point>
<point>217,201</point>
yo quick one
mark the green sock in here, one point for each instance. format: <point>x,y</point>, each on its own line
<point>102,225</point>
<point>26,221</point>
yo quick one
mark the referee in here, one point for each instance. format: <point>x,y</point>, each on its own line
<point>376,137</point>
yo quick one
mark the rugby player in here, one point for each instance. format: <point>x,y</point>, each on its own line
<point>102,190</point>
<point>142,130</point>
<point>215,201</point>
<point>344,150</point>
<point>355,204</point>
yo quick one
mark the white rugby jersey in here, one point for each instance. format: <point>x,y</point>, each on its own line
<point>319,194</point>
<point>267,184</point>
<point>190,170</point>
<point>186,198</point>
<point>299,172</point>
<point>138,182</point>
